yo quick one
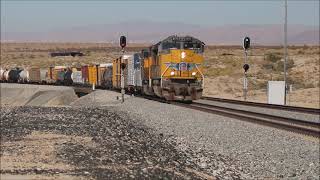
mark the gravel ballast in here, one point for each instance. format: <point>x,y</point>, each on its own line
<point>98,137</point>
<point>112,146</point>
<point>259,151</point>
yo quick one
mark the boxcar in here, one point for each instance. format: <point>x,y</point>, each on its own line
<point>34,75</point>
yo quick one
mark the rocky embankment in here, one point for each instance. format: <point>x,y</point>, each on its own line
<point>90,143</point>
<point>36,95</point>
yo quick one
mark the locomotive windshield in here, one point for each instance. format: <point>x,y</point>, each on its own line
<point>170,45</point>
<point>174,42</point>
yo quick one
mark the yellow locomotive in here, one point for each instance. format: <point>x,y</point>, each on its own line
<point>172,68</point>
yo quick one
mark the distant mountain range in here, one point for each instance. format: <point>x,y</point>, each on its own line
<point>151,32</point>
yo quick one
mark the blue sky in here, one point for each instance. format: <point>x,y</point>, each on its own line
<point>41,16</point>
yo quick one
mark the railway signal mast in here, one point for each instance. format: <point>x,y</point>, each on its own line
<point>246,46</point>
<point>123,43</point>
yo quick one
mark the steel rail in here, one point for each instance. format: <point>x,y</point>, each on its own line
<point>264,105</point>
<point>289,124</point>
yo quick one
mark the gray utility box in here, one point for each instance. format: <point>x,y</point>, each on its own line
<point>276,92</point>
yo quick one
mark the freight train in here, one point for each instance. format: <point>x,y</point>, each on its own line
<point>171,69</point>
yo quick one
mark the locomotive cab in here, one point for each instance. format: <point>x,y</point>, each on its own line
<point>174,68</point>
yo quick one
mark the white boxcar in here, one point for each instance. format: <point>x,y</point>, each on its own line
<point>76,77</point>
<point>134,70</point>
<point>43,75</point>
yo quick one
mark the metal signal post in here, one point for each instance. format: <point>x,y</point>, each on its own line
<point>246,46</point>
<point>123,44</point>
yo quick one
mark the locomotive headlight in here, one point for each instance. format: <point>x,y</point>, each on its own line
<point>193,73</point>
<point>183,55</point>
<point>172,73</point>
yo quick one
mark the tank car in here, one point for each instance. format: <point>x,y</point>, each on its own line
<point>2,74</point>
<point>6,75</point>
<point>24,76</point>
<point>13,75</point>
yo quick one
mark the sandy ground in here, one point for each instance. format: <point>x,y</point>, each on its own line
<point>37,153</point>
<point>222,66</point>
<point>223,87</point>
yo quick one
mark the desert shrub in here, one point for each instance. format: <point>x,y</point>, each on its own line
<point>214,72</point>
<point>309,85</point>
<point>268,66</point>
<point>280,65</point>
<point>258,85</point>
<point>261,85</point>
<point>301,52</point>
<point>32,56</point>
<point>227,54</point>
<point>88,53</point>
<point>272,57</point>
<point>297,83</point>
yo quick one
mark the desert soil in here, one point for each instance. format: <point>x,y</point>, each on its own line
<point>222,67</point>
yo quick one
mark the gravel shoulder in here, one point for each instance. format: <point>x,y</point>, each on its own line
<point>258,151</point>
<point>88,143</point>
<point>98,137</point>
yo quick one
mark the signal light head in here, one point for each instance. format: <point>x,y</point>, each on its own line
<point>246,67</point>
<point>123,41</point>
<point>246,43</point>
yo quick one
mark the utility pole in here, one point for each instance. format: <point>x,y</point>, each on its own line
<point>285,52</point>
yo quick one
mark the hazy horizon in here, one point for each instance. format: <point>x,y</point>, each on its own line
<point>43,16</point>
<point>79,20</point>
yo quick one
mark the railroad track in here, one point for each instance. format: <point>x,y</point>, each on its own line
<point>264,105</point>
<point>294,125</point>
<point>290,124</point>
